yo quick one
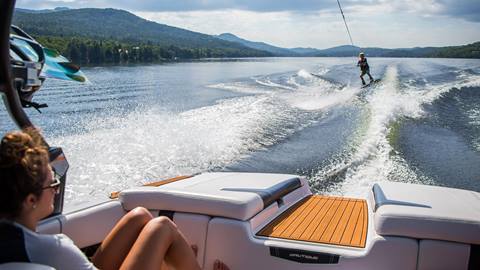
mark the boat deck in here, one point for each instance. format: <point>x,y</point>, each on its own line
<point>322,219</point>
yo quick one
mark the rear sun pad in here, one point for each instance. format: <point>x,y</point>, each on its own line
<point>322,219</point>
<point>232,195</point>
<point>426,212</point>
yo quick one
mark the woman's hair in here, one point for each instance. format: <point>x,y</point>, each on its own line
<point>23,158</point>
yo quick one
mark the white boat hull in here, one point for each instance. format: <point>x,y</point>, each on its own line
<point>222,213</point>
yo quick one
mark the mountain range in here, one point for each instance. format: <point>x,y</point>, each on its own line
<point>465,51</point>
<point>127,29</point>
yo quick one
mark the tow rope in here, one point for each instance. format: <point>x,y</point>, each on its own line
<point>346,26</point>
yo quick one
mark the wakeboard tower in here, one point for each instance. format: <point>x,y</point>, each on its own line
<point>32,64</point>
<point>273,221</point>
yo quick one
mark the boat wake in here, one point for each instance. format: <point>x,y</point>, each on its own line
<point>372,157</point>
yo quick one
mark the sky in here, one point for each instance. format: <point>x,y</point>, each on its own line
<point>308,23</point>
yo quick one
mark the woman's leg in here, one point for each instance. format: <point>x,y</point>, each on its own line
<point>117,244</point>
<point>160,240</point>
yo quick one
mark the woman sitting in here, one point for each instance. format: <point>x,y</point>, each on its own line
<point>28,188</point>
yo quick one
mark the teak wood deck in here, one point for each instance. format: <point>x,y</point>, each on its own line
<point>322,219</point>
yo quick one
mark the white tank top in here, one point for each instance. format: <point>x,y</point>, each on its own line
<point>56,250</point>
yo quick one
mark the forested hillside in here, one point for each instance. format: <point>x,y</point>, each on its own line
<point>93,36</point>
<point>466,51</point>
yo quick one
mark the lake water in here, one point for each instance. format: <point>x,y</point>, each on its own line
<point>307,116</point>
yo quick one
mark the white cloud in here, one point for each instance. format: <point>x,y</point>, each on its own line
<point>285,29</point>
<point>324,29</point>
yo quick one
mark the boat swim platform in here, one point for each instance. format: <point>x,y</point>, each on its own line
<point>322,219</point>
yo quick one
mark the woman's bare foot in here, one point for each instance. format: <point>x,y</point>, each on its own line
<point>218,265</point>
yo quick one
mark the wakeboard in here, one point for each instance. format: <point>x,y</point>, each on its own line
<point>372,83</point>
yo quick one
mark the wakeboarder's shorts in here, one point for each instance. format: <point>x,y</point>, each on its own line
<point>365,71</point>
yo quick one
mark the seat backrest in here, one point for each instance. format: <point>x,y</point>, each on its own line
<point>12,244</point>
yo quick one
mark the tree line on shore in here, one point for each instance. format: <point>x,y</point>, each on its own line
<point>86,51</point>
<point>89,51</point>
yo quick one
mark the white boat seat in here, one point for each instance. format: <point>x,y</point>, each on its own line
<point>24,266</point>
<point>232,195</point>
<point>427,212</point>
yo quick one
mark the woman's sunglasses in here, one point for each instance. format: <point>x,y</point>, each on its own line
<point>55,185</point>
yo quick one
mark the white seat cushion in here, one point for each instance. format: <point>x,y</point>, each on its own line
<point>24,266</point>
<point>233,195</point>
<point>427,212</point>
